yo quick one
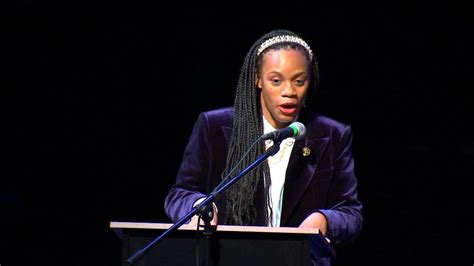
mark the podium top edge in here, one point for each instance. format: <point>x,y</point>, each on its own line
<point>221,228</point>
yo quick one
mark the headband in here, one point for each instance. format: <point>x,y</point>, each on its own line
<point>284,38</point>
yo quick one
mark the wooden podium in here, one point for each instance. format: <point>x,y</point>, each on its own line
<point>227,245</point>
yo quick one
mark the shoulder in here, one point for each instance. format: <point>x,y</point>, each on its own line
<point>224,114</point>
<point>320,126</point>
<point>227,111</point>
<point>337,133</point>
<point>221,116</point>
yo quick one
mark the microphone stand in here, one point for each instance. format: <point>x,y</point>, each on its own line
<point>204,206</point>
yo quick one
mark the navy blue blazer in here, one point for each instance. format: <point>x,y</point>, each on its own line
<point>322,181</point>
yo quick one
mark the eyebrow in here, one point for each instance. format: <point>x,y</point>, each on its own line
<point>295,75</point>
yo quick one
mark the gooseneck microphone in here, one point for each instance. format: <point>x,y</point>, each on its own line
<point>295,130</point>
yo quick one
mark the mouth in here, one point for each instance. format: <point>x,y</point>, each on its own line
<point>288,108</point>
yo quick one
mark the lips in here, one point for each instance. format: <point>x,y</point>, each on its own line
<point>287,108</point>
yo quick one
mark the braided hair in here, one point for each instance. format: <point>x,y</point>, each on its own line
<point>247,127</point>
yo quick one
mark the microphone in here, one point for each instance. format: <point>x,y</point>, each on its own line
<point>295,130</point>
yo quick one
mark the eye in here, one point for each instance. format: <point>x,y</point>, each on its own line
<point>300,82</point>
<point>275,81</point>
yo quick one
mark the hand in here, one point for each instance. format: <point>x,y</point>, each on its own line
<point>194,220</point>
<point>315,220</point>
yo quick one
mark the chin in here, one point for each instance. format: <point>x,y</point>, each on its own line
<point>287,120</point>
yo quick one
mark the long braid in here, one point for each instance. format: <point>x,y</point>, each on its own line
<point>248,127</point>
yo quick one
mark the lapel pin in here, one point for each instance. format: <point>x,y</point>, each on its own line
<point>306,151</point>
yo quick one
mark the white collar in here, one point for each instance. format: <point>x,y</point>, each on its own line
<point>267,127</point>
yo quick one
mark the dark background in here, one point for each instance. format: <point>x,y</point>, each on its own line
<point>100,100</point>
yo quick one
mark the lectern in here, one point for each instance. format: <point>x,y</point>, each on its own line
<point>228,245</point>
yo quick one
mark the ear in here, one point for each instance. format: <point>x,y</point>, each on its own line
<point>258,82</point>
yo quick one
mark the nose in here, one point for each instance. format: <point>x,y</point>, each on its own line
<point>288,90</point>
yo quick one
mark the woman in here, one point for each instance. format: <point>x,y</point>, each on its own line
<point>309,183</point>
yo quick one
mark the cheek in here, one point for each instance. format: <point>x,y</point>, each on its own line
<point>270,95</point>
<point>302,93</point>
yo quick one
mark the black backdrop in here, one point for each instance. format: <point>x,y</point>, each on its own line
<point>101,99</point>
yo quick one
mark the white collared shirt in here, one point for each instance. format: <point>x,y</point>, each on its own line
<point>278,164</point>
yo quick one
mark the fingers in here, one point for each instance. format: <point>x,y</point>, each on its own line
<point>195,218</point>
<point>214,217</point>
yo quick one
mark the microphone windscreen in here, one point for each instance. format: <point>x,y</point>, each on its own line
<point>300,129</point>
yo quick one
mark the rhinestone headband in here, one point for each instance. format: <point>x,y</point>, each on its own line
<point>284,38</point>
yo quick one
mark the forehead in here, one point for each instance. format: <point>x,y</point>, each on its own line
<point>285,58</point>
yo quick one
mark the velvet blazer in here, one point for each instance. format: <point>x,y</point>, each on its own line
<point>321,181</point>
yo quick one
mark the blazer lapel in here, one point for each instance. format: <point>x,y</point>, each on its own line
<point>300,172</point>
